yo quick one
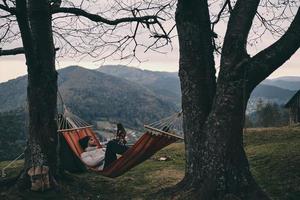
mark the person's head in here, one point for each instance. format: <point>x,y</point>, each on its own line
<point>87,141</point>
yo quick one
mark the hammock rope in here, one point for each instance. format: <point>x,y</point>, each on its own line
<point>169,125</point>
<point>3,173</point>
<point>158,135</point>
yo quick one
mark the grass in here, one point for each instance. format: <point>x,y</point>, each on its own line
<point>274,156</point>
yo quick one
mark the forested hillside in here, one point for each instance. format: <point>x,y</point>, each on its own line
<point>166,85</point>
<point>97,96</point>
<point>123,94</point>
<point>12,134</point>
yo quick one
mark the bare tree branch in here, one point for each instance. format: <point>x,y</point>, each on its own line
<point>9,52</point>
<point>14,51</point>
<point>271,58</point>
<point>227,3</point>
<point>150,19</point>
<point>238,28</point>
<point>216,21</point>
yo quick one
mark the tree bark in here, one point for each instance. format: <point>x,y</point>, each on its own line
<point>197,75</point>
<point>213,116</point>
<point>34,20</point>
<point>224,170</point>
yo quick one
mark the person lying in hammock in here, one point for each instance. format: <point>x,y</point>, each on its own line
<point>94,156</point>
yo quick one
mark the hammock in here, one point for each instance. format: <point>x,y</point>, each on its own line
<point>155,138</point>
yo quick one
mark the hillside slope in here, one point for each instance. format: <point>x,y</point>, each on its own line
<point>96,96</point>
<point>166,85</point>
<point>285,82</point>
<point>274,93</point>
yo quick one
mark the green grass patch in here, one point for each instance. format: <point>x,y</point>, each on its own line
<point>274,156</point>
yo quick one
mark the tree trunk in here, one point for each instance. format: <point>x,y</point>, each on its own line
<point>213,118</point>
<point>196,72</point>
<point>224,169</point>
<point>34,20</point>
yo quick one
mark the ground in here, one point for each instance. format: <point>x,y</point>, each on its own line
<point>274,156</point>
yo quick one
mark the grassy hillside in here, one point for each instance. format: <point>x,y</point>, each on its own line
<point>274,156</point>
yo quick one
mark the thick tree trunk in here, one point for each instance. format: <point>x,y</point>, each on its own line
<point>197,74</point>
<point>219,167</point>
<point>224,169</point>
<point>216,164</point>
<point>34,20</point>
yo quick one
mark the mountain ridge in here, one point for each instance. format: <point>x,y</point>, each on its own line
<point>96,96</point>
<point>117,90</point>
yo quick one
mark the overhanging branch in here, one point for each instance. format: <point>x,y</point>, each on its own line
<point>15,51</point>
<point>149,19</point>
<point>9,52</point>
<point>271,58</point>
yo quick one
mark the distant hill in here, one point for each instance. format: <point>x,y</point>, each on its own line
<point>13,94</point>
<point>166,85</point>
<point>268,94</point>
<point>272,92</point>
<point>285,82</point>
<point>96,96</point>
<point>130,95</point>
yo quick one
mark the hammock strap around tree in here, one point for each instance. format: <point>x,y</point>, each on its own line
<point>149,143</point>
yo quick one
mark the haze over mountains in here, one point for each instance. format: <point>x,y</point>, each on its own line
<point>129,95</point>
<point>285,82</point>
<point>277,90</point>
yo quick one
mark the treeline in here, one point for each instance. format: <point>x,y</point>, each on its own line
<point>12,134</point>
<point>268,115</point>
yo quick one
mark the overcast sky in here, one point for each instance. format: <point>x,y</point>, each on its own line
<point>14,66</point>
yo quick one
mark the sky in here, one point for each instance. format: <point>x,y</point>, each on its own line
<point>14,66</point>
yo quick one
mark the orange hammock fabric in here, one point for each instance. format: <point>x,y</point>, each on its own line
<point>144,148</point>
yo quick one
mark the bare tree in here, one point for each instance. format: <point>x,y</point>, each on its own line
<point>35,21</point>
<point>216,163</point>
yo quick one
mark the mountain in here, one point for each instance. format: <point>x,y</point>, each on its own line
<point>96,96</point>
<point>130,95</point>
<point>285,82</point>
<point>13,94</point>
<point>268,94</point>
<point>166,85</point>
<point>273,93</point>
